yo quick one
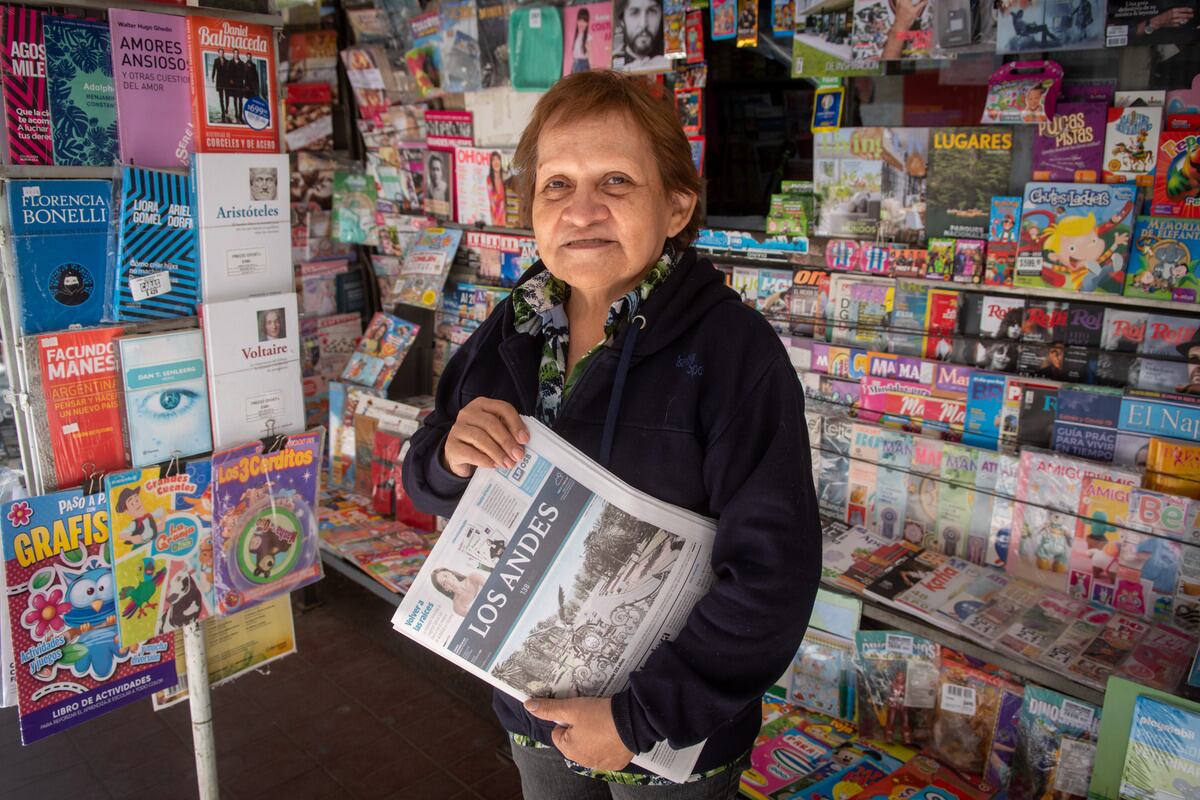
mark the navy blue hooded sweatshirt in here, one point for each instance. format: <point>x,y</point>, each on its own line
<point>708,415</point>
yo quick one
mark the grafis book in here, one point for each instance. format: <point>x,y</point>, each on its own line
<point>967,168</point>
<point>265,540</point>
<point>160,526</point>
<point>1177,175</point>
<point>380,352</point>
<point>235,102</point>
<point>243,218</point>
<point>483,182</point>
<point>83,105</point>
<point>26,105</point>
<point>158,274</point>
<point>1131,138</point>
<point>62,611</point>
<point>80,387</point>
<point>152,74</point>
<point>252,348</point>
<point>1165,256</point>
<point>166,396</point>
<point>61,237</point>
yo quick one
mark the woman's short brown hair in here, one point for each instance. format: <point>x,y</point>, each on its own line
<point>598,92</point>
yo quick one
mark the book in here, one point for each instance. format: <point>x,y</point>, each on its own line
<point>967,168</point>
<point>1161,756</point>
<point>493,42</point>
<point>1043,330</point>
<point>955,498</point>
<point>380,352</point>
<point>234,99</point>
<point>1096,547</point>
<point>81,392</point>
<point>985,402</point>
<point>152,74</point>
<point>252,349</point>
<point>937,587</point>
<point>161,529</point>
<point>1085,422</point>
<point>27,132</point>
<point>1176,182</point>
<point>461,71</point>
<point>858,310</point>
<point>317,282</point>
<point>483,183</point>
<point>906,335</point>
<point>61,238</point>
<point>79,79</point>
<point>1131,136</point>
<point>1075,236</point>
<point>312,57</point>
<point>1165,260</point>
<point>439,184</point>
<point>1173,468</point>
<point>165,396</point>
<point>265,540</point>
<point>924,487</point>
<point>1002,241</point>
<point>62,612</point>
<point>158,274</point>
<point>243,221</point>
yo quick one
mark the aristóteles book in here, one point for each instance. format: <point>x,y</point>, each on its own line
<point>157,271</point>
<point>244,223</point>
<point>253,355</point>
<point>61,237</point>
<point>166,396</point>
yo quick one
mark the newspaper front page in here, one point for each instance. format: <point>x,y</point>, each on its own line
<point>555,579</point>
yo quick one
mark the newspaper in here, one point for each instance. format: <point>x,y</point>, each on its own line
<point>555,579</point>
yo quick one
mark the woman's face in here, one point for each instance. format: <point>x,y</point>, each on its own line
<point>600,214</point>
<point>497,164</point>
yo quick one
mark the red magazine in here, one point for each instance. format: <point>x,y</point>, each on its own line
<point>384,461</point>
<point>81,385</point>
<point>941,320</point>
<point>235,100</point>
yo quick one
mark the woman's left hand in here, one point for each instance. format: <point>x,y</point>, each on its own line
<point>586,733</point>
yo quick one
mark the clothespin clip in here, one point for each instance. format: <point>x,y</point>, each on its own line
<point>170,468</point>
<point>93,479</point>
<point>273,442</point>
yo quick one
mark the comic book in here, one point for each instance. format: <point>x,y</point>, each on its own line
<point>380,352</point>
<point>1075,236</point>
<point>423,276</point>
<point>1002,241</point>
<point>265,540</point>
<point>1165,259</point>
<point>162,547</point>
<point>968,167</point>
<point>62,614</point>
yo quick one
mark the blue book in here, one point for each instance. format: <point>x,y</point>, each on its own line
<point>61,235</point>
<point>1153,414</point>
<point>158,272</point>
<point>83,100</point>
<point>1086,424</point>
<point>166,396</point>
<point>985,404</point>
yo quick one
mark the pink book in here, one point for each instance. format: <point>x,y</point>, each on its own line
<point>154,102</point>
<point>23,67</point>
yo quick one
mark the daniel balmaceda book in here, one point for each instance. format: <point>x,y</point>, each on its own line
<point>166,396</point>
<point>244,219</point>
<point>61,233</point>
<point>253,354</point>
<point>157,271</point>
<point>235,101</point>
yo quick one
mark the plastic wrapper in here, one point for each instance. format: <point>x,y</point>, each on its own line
<point>969,707</point>
<point>1161,760</point>
<point>897,686</point>
<point>821,678</point>
<point>1056,738</point>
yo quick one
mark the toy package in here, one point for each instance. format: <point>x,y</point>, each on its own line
<point>1131,136</point>
<point>161,524</point>
<point>1022,92</point>
<point>822,675</point>
<point>968,260</point>
<point>1165,259</point>
<point>941,259</point>
<point>1162,757</point>
<point>1055,746</point>
<point>897,686</point>
<point>1075,236</point>
<point>265,539</point>
<point>971,707</point>
<point>1177,175</point>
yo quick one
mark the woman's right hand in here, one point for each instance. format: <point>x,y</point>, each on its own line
<point>487,433</point>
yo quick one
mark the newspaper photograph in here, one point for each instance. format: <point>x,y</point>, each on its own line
<point>555,579</point>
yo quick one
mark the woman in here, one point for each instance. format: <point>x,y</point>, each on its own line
<point>633,349</point>
<point>495,187</point>
<point>579,47</point>
<point>460,588</point>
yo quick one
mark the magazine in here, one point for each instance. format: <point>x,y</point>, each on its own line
<point>583,554</point>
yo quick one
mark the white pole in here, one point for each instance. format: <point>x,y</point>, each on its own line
<point>201,707</point>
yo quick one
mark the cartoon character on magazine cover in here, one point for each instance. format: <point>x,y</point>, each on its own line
<point>1004,229</point>
<point>1166,265</point>
<point>1049,546</point>
<point>145,525</point>
<point>1135,156</point>
<point>1080,250</point>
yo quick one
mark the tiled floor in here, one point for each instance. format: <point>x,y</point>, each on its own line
<point>358,712</point>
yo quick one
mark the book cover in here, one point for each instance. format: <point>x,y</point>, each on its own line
<point>1049,25</point>
<point>1085,424</point>
<point>234,99</point>
<point>587,37</point>
<point>1165,261</point>
<point>243,220</point>
<point>354,206</point>
<point>967,168</point>
<point>1075,236</point>
<point>461,69</point>
<point>252,350</point>
<point>62,612</point>
<point>1096,547</point>
<point>483,181</point>
<point>165,396</point>
<point>380,352</point>
<point>848,180</point>
<point>1173,468</point>
<point>152,75</point>
<point>1131,136</point>
<point>265,540</point>
<point>1177,175</point>
<point>874,40</point>
<point>1070,145</point>
<point>161,528</point>
<point>26,103</point>
<point>80,386</point>
<point>985,403</point>
<point>941,316</point>
<point>1002,241</point>
<point>493,42</point>
<point>158,273</point>
<point>1161,756</point>
<point>439,183</point>
<point>61,237</point>
<point>83,103</point>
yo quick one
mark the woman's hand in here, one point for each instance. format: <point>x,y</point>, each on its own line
<point>487,433</point>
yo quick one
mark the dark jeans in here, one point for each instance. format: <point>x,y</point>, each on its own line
<point>544,776</point>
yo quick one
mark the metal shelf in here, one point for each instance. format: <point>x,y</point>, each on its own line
<point>273,20</point>
<point>21,171</point>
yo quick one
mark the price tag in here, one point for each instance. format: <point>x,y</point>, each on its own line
<point>535,18</point>
<point>898,644</point>
<point>148,286</point>
<point>1076,715</point>
<point>958,699</point>
<point>1073,772</point>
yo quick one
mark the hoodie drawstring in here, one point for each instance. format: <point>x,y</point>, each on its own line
<point>618,388</point>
